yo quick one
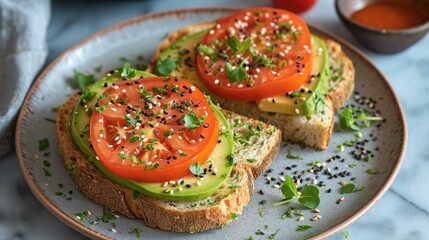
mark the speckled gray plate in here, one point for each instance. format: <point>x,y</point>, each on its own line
<point>140,36</point>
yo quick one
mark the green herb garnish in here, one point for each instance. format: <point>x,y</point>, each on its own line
<point>165,66</point>
<point>273,235</point>
<point>291,156</point>
<point>43,144</point>
<point>309,197</point>
<point>196,168</point>
<point>351,116</point>
<point>192,120</point>
<point>137,231</point>
<point>237,74</point>
<point>83,80</point>
<point>302,228</point>
<point>372,171</point>
<point>81,216</point>
<point>206,50</point>
<point>348,188</point>
<point>236,46</point>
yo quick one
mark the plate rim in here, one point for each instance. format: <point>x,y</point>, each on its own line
<point>83,228</point>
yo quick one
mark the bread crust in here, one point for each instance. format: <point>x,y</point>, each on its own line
<point>154,213</point>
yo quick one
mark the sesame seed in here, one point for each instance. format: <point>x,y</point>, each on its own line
<point>300,219</point>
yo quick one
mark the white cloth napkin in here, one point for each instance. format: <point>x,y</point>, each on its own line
<point>23,51</point>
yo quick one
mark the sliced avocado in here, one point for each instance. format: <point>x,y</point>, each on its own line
<point>310,99</point>
<point>200,188</point>
<point>184,54</point>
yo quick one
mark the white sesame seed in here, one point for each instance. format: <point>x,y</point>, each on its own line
<point>282,178</point>
<point>211,32</point>
<point>300,219</point>
<point>276,186</point>
<point>198,183</point>
<point>113,230</point>
<point>165,184</point>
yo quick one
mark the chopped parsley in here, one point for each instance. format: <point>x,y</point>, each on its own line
<point>81,216</point>
<point>302,228</point>
<point>43,144</point>
<point>159,90</point>
<point>165,66</point>
<point>372,171</point>
<point>101,108</point>
<point>192,120</point>
<point>237,74</point>
<point>137,231</point>
<point>83,80</point>
<point>236,46</point>
<point>88,95</point>
<point>351,116</point>
<point>196,168</point>
<point>291,156</point>
<point>206,50</point>
<point>131,120</point>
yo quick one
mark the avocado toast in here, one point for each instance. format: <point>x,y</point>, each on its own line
<point>189,204</point>
<point>304,116</point>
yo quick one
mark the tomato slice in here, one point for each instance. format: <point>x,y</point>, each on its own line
<point>153,129</point>
<point>255,53</point>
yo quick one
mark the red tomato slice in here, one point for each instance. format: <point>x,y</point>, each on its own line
<point>256,53</point>
<point>153,129</point>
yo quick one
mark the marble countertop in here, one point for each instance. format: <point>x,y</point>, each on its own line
<point>23,217</point>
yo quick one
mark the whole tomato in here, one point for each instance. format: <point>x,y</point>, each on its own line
<point>296,6</point>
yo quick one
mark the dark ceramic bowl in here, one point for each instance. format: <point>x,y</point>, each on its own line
<point>382,40</point>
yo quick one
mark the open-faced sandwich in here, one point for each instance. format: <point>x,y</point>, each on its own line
<point>264,63</point>
<point>159,149</point>
<point>156,148</point>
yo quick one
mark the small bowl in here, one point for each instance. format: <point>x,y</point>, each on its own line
<point>382,40</point>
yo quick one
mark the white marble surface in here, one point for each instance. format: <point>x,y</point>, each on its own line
<point>402,213</point>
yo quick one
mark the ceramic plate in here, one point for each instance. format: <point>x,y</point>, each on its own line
<point>141,36</point>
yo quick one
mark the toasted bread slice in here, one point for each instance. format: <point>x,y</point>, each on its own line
<point>314,131</point>
<point>342,82</point>
<point>170,215</point>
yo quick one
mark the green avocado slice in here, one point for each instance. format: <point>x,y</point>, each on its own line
<point>184,51</point>
<point>310,99</point>
<point>192,188</point>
